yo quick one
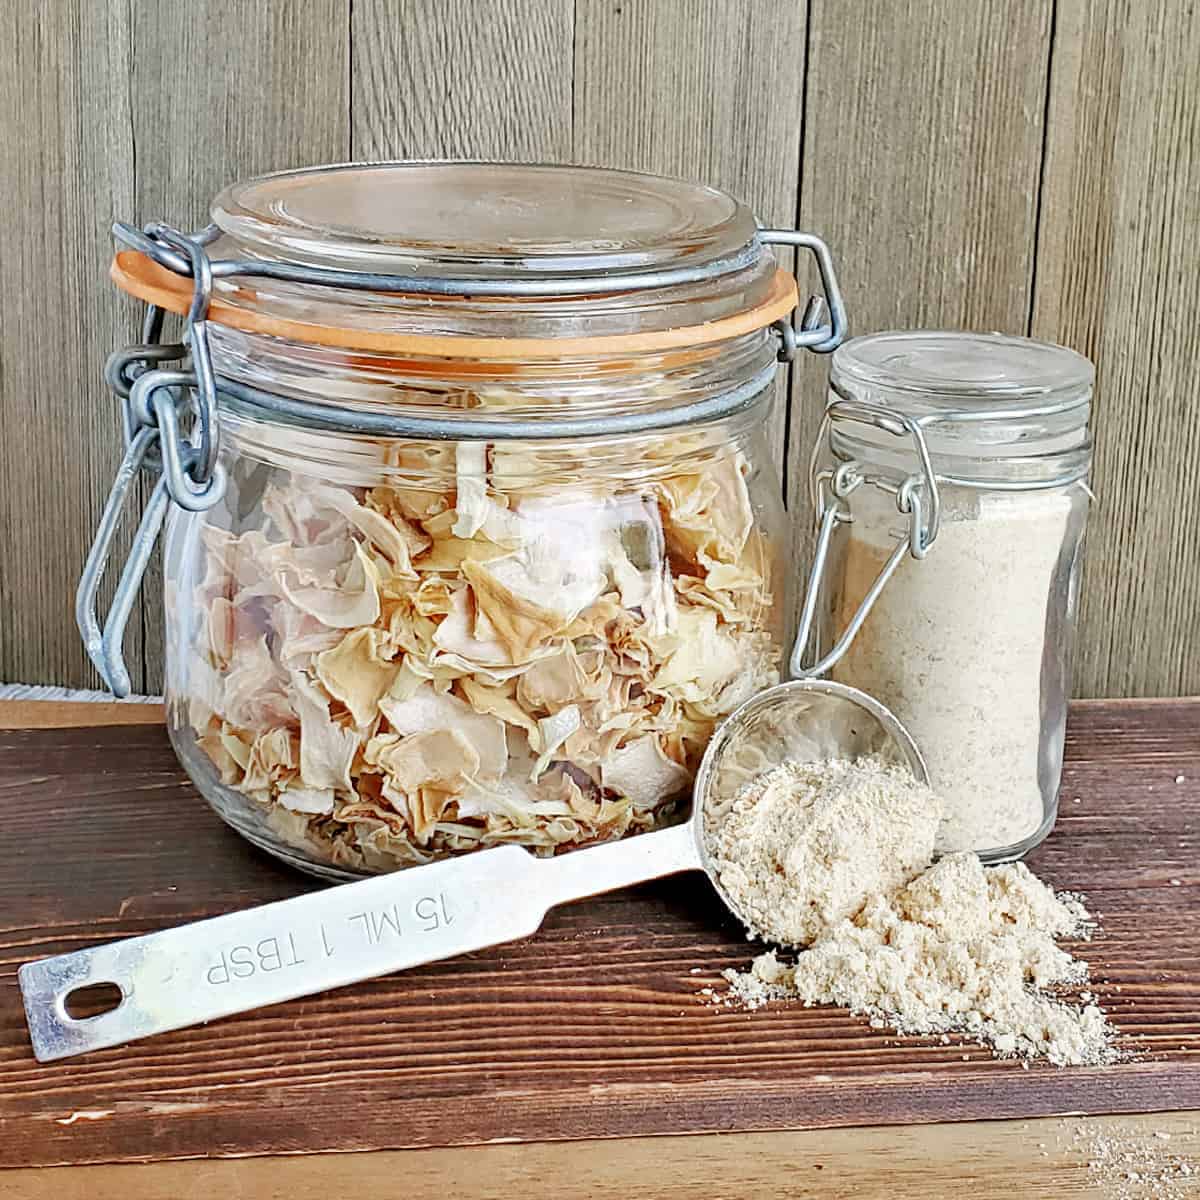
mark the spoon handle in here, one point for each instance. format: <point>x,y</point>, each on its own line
<point>326,939</point>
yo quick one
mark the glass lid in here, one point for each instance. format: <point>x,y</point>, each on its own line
<point>489,220</point>
<point>960,368</point>
<point>993,407</point>
<point>505,260</point>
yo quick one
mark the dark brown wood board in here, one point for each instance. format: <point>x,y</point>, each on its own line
<point>594,1028</point>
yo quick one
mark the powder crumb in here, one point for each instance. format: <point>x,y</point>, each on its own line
<point>746,990</point>
<point>1175,882</point>
<point>1180,779</point>
<point>1127,1163</point>
<point>838,856</point>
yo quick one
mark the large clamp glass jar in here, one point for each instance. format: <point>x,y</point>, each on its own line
<point>473,536</point>
<point>949,484</point>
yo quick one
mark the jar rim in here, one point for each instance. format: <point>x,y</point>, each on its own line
<point>978,372</point>
<point>140,276</point>
<point>985,409</point>
<point>467,259</point>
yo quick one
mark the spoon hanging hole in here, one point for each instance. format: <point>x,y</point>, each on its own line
<point>92,1001</point>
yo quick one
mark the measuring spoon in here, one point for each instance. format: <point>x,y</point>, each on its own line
<point>356,931</point>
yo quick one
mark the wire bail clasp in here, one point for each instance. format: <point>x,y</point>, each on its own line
<point>917,497</point>
<point>190,474</point>
<point>815,333</point>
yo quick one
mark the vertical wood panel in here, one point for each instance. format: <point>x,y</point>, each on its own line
<point>462,79</point>
<point>66,161</point>
<point>921,163</point>
<point>921,166</point>
<point>222,90</point>
<point>1117,279</point>
<point>712,92</point>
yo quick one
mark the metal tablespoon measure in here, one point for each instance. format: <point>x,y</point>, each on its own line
<point>356,931</point>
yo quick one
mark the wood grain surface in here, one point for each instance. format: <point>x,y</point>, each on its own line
<point>71,714</point>
<point>1049,1159</point>
<point>1117,279</point>
<point>66,173</point>
<point>113,112</point>
<point>448,81</point>
<point>712,92</point>
<point>961,157</point>
<point>923,134</point>
<point>597,1027</point>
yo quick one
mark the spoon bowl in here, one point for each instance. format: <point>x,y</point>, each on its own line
<point>809,720</point>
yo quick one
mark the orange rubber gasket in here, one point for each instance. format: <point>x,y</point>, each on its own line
<point>142,277</point>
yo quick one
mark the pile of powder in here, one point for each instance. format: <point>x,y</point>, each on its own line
<point>952,947</point>
<point>807,844</point>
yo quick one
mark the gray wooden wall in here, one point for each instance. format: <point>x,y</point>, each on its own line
<point>1030,166</point>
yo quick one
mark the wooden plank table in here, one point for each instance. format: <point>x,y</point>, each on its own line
<point>589,1045</point>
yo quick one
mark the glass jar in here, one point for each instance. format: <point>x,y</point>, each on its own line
<point>487,543</point>
<point>949,481</point>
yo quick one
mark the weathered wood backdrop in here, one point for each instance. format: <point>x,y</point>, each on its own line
<point>1030,166</point>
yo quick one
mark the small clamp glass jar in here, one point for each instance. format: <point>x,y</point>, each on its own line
<point>473,537</point>
<point>949,481</point>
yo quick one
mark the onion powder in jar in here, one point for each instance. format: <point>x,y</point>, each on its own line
<point>949,479</point>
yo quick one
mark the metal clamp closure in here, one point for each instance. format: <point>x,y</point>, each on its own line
<point>104,646</point>
<point>196,338</point>
<point>154,442</point>
<point>152,400</point>
<point>185,255</point>
<point>815,334</point>
<point>155,402</point>
<point>916,496</point>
